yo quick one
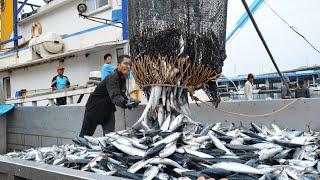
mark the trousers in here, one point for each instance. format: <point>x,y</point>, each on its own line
<point>92,119</point>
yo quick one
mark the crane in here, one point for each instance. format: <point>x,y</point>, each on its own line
<point>254,7</point>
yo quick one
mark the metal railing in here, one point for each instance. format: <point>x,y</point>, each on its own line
<point>50,95</point>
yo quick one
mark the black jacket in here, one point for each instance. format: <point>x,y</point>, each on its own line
<point>110,92</point>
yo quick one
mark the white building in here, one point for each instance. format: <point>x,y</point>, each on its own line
<point>85,43</point>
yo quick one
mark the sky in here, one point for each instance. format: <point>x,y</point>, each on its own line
<point>245,52</point>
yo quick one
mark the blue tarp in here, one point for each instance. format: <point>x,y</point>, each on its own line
<point>4,108</point>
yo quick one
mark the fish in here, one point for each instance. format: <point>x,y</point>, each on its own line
<point>164,96</point>
<point>171,138</point>
<point>76,159</point>
<point>129,149</point>
<point>165,125</point>
<point>157,95</point>
<point>206,129</point>
<point>197,153</point>
<point>265,154</point>
<point>151,173</point>
<point>126,174</point>
<point>219,145</point>
<point>139,165</point>
<point>282,175</point>
<point>168,150</point>
<point>189,150</point>
<point>154,150</point>
<point>160,115</point>
<point>176,122</point>
<point>136,143</point>
<point>163,176</point>
<point>165,161</point>
<point>237,167</point>
<point>146,109</point>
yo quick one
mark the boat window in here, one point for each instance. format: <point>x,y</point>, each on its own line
<point>7,87</point>
<point>96,4</point>
<point>120,52</point>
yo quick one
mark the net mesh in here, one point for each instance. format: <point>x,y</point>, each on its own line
<point>192,29</point>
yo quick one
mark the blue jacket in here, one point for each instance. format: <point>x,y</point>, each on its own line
<point>106,70</point>
<point>60,82</point>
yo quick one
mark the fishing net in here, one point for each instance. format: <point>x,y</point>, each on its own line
<point>189,31</point>
<point>177,44</point>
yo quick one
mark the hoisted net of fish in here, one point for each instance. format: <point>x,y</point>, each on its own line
<point>178,48</point>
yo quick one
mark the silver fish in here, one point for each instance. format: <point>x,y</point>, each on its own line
<point>293,173</point>
<point>168,139</point>
<point>136,143</point>
<point>92,140</point>
<point>139,165</point>
<point>166,123</point>
<point>151,173</point>
<point>164,96</point>
<point>218,144</point>
<point>176,122</point>
<point>197,153</point>
<point>76,159</point>
<point>237,167</point>
<point>268,153</point>
<point>168,150</point>
<point>217,126</point>
<point>129,149</point>
<point>157,95</point>
<point>282,175</point>
<point>165,161</point>
<point>161,115</point>
<point>163,176</point>
<point>148,106</point>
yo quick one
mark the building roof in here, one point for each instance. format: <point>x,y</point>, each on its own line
<point>294,73</point>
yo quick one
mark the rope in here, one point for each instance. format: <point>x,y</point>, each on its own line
<point>225,111</point>
<point>249,115</point>
<point>292,27</point>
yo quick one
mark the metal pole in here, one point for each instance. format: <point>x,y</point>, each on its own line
<point>125,33</point>
<point>265,44</point>
<point>15,24</point>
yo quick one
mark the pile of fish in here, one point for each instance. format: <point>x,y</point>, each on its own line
<point>189,151</point>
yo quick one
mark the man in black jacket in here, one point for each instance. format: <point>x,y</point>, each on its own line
<point>111,92</point>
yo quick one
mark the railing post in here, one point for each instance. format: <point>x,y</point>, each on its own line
<point>51,102</point>
<point>34,103</point>
<point>70,99</point>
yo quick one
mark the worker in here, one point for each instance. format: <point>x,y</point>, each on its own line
<point>100,108</point>
<point>60,82</point>
<point>285,92</point>
<point>107,67</point>
<point>302,91</point>
<point>248,88</point>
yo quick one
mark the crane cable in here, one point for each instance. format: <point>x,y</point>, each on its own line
<point>291,27</point>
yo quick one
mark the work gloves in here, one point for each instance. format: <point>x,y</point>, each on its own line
<point>132,103</point>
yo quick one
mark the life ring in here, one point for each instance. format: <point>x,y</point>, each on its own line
<point>36,29</point>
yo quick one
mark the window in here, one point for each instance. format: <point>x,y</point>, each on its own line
<point>7,87</point>
<point>120,52</point>
<point>96,4</point>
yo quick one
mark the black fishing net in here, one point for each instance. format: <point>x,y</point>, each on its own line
<point>194,29</point>
<point>191,29</point>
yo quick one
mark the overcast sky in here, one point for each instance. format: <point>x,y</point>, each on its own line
<point>245,51</point>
